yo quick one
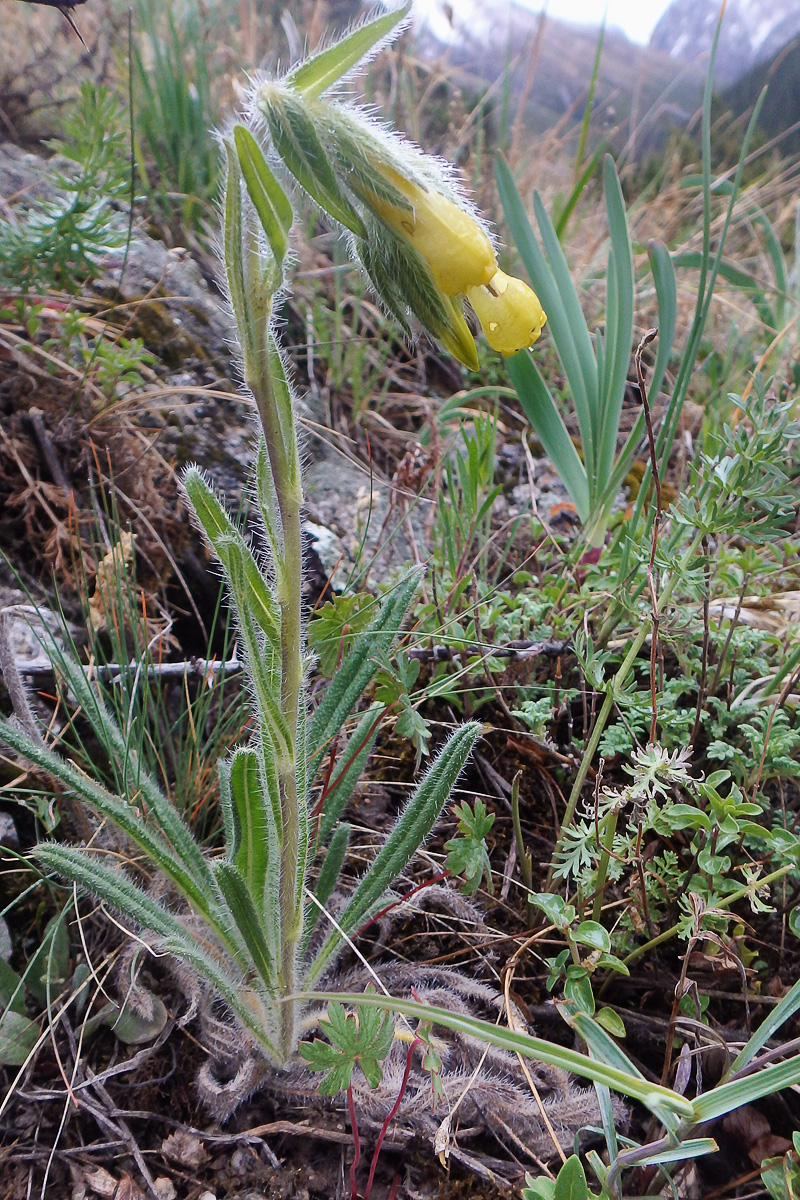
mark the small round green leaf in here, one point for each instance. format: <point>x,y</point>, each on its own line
<point>592,933</point>
<point>611,1021</point>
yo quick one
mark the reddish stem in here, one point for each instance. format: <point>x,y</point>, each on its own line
<point>356,1145</point>
<point>390,1115</point>
<point>420,887</point>
<point>396,1184</point>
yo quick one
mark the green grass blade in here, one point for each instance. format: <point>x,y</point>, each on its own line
<point>553,284</point>
<point>575,328</point>
<point>603,1048</point>
<point>728,1096</point>
<point>540,408</point>
<point>657,1098</point>
<point>587,112</point>
<point>619,323</point>
<point>663,271</point>
<point>323,70</point>
<point>560,225</point>
<point>781,1013</point>
<point>739,278</point>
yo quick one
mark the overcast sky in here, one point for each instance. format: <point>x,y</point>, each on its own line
<point>636,17</point>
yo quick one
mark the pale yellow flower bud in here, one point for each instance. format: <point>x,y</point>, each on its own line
<point>452,243</point>
<point>509,311</point>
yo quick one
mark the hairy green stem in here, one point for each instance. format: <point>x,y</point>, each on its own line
<point>281,449</point>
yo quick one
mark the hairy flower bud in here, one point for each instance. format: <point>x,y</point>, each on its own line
<point>509,311</point>
<point>452,243</point>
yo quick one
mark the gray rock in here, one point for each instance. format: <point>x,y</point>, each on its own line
<point>9,839</point>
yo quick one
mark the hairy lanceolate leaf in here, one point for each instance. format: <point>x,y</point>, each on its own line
<point>347,770</point>
<point>248,920</point>
<point>124,896</point>
<point>247,820</point>
<point>358,669</point>
<point>268,197</point>
<point>193,878</point>
<point>296,140</point>
<point>261,665</point>
<point>322,70</point>
<point>217,526</point>
<point>416,821</point>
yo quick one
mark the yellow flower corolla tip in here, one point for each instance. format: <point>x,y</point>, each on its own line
<point>452,243</point>
<point>509,311</point>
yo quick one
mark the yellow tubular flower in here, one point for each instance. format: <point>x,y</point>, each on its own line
<point>454,246</point>
<point>509,311</point>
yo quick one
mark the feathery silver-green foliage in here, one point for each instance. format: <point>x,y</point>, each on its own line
<point>242,926</point>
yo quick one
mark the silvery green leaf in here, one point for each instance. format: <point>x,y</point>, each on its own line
<point>248,920</point>
<point>216,525</point>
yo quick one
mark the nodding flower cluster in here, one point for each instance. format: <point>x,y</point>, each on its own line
<point>422,247</point>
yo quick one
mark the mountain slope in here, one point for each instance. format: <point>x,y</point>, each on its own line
<point>637,85</point>
<point>752,31</point>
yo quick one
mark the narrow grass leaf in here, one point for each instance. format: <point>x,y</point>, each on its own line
<point>781,1013</point>
<point>580,363</point>
<point>619,321</point>
<point>653,1095</point>
<point>728,1096</point>
<point>541,410</point>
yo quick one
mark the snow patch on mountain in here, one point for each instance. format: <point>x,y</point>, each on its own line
<point>752,31</point>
